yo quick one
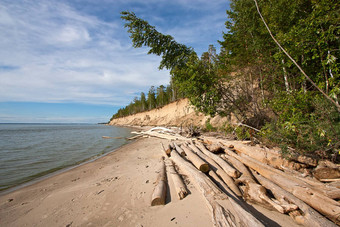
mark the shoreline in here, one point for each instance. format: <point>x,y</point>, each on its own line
<point>61,170</point>
<point>113,190</point>
<point>24,180</point>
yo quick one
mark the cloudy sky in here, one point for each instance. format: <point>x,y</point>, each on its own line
<point>72,60</point>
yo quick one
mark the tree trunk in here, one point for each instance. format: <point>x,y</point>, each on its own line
<point>330,192</point>
<point>246,175</point>
<point>234,215</point>
<point>219,171</point>
<point>179,149</point>
<point>197,161</point>
<point>310,216</point>
<point>225,166</point>
<point>180,187</point>
<point>329,207</point>
<point>159,193</point>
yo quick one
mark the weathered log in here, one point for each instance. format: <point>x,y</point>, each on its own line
<point>330,180</point>
<point>219,171</point>
<point>254,192</point>
<point>134,137</point>
<point>164,136</point>
<point>304,159</point>
<point>329,207</point>
<point>329,191</point>
<point>215,148</point>
<point>166,150</point>
<point>324,171</point>
<point>196,160</point>
<point>225,166</point>
<point>180,187</point>
<point>310,216</point>
<point>159,194</point>
<point>179,149</point>
<point>230,215</point>
<point>246,175</point>
<point>270,157</point>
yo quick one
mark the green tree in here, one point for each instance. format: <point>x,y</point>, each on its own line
<point>151,98</point>
<point>161,96</point>
<point>143,101</point>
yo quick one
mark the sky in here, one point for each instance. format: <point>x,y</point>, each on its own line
<point>72,61</point>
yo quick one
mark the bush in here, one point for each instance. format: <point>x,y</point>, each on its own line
<point>307,123</point>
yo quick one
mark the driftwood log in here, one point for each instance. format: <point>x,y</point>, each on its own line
<point>246,175</point>
<point>159,193</point>
<point>196,160</point>
<point>224,165</point>
<point>224,210</point>
<point>179,149</point>
<point>326,170</point>
<point>180,187</point>
<point>310,217</point>
<point>253,191</point>
<point>329,207</point>
<point>267,156</point>
<point>219,171</point>
<point>328,191</point>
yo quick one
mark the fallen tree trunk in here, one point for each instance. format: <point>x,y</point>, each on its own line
<point>219,171</point>
<point>233,215</point>
<point>328,191</point>
<point>253,191</point>
<point>329,207</point>
<point>310,217</point>
<point>266,156</point>
<point>196,160</point>
<point>180,187</point>
<point>246,175</point>
<point>164,136</point>
<point>166,150</point>
<point>179,150</point>
<point>224,165</point>
<point>159,194</point>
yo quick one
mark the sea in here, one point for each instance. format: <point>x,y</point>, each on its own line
<point>29,152</point>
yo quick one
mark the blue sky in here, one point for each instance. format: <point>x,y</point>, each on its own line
<point>72,60</point>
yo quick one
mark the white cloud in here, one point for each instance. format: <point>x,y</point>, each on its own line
<point>71,34</point>
<point>58,53</point>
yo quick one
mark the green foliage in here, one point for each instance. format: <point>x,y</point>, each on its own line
<point>305,122</point>
<point>243,133</point>
<point>209,127</point>
<point>143,34</point>
<point>252,79</point>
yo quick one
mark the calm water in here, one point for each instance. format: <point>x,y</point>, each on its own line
<point>29,151</point>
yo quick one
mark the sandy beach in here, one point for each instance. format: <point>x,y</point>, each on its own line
<point>114,190</point>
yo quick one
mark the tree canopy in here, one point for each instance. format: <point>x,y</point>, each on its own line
<point>252,79</point>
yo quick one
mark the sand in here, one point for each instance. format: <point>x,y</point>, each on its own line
<point>114,190</point>
<point>179,113</point>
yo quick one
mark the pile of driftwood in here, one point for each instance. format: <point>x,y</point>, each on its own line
<point>244,173</point>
